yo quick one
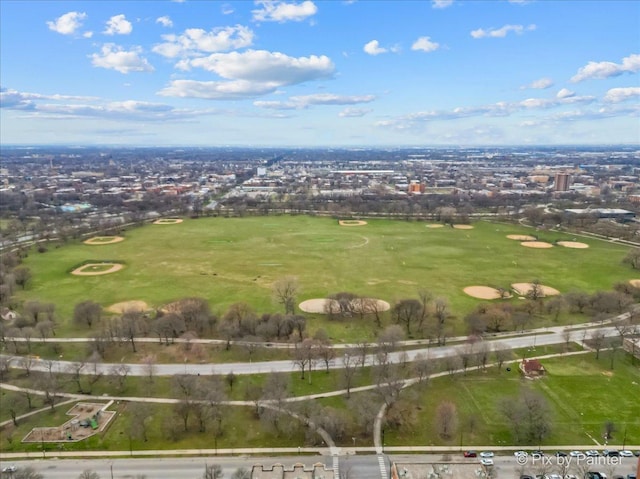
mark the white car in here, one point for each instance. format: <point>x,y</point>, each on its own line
<point>592,453</point>
<point>486,454</point>
<point>577,454</point>
<point>486,461</point>
<point>520,453</point>
<point>9,469</point>
<point>626,453</point>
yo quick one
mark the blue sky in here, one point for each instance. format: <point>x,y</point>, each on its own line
<point>320,73</point>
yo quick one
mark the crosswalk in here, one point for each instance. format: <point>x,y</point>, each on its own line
<point>336,467</point>
<point>383,466</point>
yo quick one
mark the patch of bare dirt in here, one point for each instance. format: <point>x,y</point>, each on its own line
<point>521,237</point>
<point>483,292</point>
<point>323,305</point>
<point>522,289</point>
<point>463,227</point>
<point>352,223</point>
<point>537,244</point>
<point>573,244</point>
<point>123,307</point>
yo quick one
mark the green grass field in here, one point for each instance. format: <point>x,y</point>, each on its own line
<point>582,393</point>
<point>238,259</point>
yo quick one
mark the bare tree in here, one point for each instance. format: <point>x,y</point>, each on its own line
<point>597,340</point>
<point>285,291</point>
<point>89,474</point>
<point>441,313</point>
<point>502,354</point>
<point>406,312</point>
<point>422,367</point>
<point>212,472</point>
<point>87,313</point>
<point>138,420</point>
<point>349,370</point>
<point>446,419</point>
<point>304,356</point>
<point>120,373</point>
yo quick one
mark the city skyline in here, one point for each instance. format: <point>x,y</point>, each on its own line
<point>304,73</point>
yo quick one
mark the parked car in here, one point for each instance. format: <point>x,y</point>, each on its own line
<point>520,453</point>
<point>631,476</point>
<point>11,468</point>
<point>486,454</point>
<point>526,476</point>
<point>561,454</point>
<point>592,453</point>
<point>626,453</point>
<point>470,454</point>
<point>485,461</point>
<point>577,454</point>
<point>610,453</point>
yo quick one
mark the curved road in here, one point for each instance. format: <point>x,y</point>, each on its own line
<point>534,338</point>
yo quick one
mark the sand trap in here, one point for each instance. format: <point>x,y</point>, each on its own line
<point>87,269</point>
<point>521,237</point>
<point>523,288</point>
<point>167,221</point>
<point>484,292</point>
<point>635,283</point>
<point>352,223</point>
<point>321,305</point>
<point>98,240</point>
<point>573,244</point>
<point>536,244</point>
<point>435,226</point>
<point>463,227</point>
<point>125,306</point>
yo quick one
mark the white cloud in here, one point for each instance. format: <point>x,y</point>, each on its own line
<point>213,90</point>
<point>265,66</point>
<point>616,95</point>
<point>540,84</point>
<point>65,106</point>
<point>87,34</point>
<point>600,70</point>
<point>354,112</point>
<point>252,73</point>
<point>196,40</point>
<point>118,25</point>
<point>565,93</point>
<point>304,101</point>
<point>165,21</point>
<point>441,3</point>
<point>374,48</point>
<point>425,44</point>
<point>501,32</point>
<point>114,57</point>
<point>68,23</point>
<point>226,9</point>
<point>279,11</point>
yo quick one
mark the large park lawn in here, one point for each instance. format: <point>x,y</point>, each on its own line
<point>238,259</point>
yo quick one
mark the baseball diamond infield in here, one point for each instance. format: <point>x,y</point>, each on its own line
<point>100,240</point>
<point>94,269</point>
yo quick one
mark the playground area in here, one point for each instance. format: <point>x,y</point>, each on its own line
<point>86,420</point>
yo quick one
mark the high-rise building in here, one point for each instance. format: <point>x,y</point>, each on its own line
<point>562,182</point>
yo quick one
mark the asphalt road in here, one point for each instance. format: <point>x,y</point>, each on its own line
<point>354,467</point>
<point>540,338</point>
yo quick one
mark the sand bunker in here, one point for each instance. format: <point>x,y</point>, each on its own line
<point>522,289</point>
<point>99,240</point>
<point>635,283</point>
<point>536,244</point>
<point>521,237</point>
<point>324,305</point>
<point>463,227</point>
<point>167,221</point>
<point>484,292</point>
<point>573,244</point>
<point>352,223</point>
<point>435,226</point>
<point>125,306</point>
<point>95,269</point>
